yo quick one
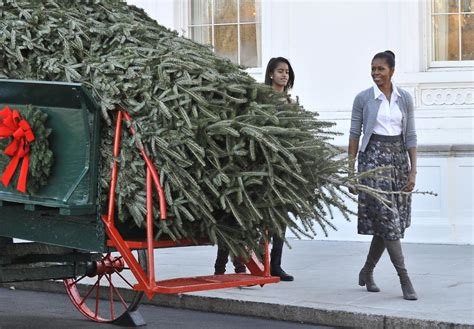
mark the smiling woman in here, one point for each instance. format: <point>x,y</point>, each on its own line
<point>385,115</point>
<point>382,73</point>
<point>279,74</point>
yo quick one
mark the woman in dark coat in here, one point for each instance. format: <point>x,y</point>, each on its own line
<point>279,74</point>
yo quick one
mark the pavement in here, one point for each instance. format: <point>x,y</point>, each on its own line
<point>325,290</point>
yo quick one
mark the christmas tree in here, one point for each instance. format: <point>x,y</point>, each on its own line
<point>235,160</point>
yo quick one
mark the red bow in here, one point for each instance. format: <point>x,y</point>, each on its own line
<point>12,125</point>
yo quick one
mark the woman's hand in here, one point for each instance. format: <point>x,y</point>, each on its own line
<point>351,173</point>
<point>352,153</point>
<point>410,183</point>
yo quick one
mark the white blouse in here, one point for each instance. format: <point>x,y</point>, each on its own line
<point>389,117</point>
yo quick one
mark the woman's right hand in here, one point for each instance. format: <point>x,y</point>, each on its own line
<point>352,190</point>
<point>352,153</point>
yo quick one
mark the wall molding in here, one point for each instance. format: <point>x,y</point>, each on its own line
<point>446,96</point>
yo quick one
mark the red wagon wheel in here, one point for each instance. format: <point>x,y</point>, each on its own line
<point>100,295</point>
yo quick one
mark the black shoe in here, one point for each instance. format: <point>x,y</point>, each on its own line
<point>282,274</point>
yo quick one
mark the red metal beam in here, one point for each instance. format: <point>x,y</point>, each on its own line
<point>163,243</point>
<point>113,179</point>
<point>154,173</point>
<point>149,227</point>
<point>211,282</point>
<point>146,283</point>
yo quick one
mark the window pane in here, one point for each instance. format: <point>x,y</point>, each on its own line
<point>467,37</point>
<point>443,6</point>
<point>201,34</point>
<point>225,11</point>
<point>226,41</point>
<point>446,34</point>
<point>467,6</point>
<point>249,48</point>
<point>248,11</point>
<point>200,11</point>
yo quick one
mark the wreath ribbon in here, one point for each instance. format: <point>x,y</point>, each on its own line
<point>12,125</point>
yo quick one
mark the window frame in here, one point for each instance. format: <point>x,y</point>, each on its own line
<point>433,64</point>
<point>186,18</point>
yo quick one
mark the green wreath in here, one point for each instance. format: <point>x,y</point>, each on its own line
<point>41,156</point>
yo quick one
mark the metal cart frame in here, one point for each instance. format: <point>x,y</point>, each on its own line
<point>72,244</point>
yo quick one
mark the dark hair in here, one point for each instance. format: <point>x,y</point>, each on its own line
<point>388,56</point>
<point>271,66</point>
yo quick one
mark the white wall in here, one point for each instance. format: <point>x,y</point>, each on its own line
<point>330,45</point>
<point>160,10</point>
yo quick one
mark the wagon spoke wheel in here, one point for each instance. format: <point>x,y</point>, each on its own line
<point>106,293</point>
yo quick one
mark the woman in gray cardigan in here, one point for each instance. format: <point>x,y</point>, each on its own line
<point>385,117</point>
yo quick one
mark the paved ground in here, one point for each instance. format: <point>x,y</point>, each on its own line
<point>28,310</point>
<point>325,289</point>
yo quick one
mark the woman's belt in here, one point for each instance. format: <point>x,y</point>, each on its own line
<point>384,138</point>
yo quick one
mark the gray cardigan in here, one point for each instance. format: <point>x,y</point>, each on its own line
<point>364,116</point>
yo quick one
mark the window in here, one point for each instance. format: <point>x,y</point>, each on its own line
<point>232,27</point>
<point>452,23</point>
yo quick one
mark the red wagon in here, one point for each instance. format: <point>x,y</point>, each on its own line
<point>106,266</point>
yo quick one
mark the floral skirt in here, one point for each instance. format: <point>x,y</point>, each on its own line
<point>374,218</point>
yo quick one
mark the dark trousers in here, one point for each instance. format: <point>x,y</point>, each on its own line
<point>239,267</point>
<point>222,259</point>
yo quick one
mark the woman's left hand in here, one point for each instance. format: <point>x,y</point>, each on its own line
<point>411,182</point>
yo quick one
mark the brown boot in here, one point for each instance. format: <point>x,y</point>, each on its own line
<point>366,277</point>
<point>394,249</point>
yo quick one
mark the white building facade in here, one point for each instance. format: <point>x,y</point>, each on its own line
<point>330,45</point>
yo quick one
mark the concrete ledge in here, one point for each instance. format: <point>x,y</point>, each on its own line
<point>321,316</point>
<point>309,315</point>
<point>438,150</point>
<point>449,150</point>
<point>271,311</point>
